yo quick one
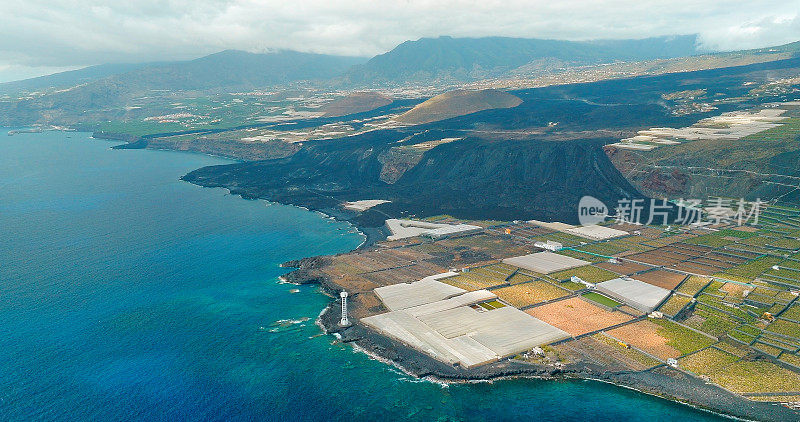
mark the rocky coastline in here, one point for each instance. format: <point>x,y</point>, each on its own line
<point>661,381</point>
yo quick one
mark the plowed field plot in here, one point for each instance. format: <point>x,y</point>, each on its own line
<point>661,278</point>
<point>577,316</point>
<point>678,252</point>
<point>652,258</point>
<point>525,294</point>
<point>623,267</point>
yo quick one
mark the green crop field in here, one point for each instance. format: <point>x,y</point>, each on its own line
<point>754,268</point>
<point>767,349</point>
<point>707,361</point>
<point>601,299</point>
<point>755,377</point>
<point>693,285</point>
<point>681,338</point>
<point>787,328</point>
<point>792,313</point>
<point>674,304</point>
<point>587,273</point>
<point>786,243</point>
<point>712,240</point>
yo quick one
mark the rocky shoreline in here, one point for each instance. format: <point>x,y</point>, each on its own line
<point>661,381</point>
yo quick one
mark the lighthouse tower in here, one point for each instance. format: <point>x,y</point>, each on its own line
<point>344,322</point>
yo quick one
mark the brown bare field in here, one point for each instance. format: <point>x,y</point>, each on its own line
<point>661,278</point>
<point>653,257</point>
<point>624,267</point>
<point>366,304</point>
<point>644,335</point>
<point>577,316</point>
<point>520,295</point>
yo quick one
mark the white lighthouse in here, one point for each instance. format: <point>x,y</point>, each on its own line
<point>344,322</point>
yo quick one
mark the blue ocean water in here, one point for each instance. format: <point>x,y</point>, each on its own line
<point>126,294</point>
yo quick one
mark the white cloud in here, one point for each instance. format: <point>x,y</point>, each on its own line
<point>58,33</point>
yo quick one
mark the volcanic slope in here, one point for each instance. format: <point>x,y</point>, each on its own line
<point>458,103</point>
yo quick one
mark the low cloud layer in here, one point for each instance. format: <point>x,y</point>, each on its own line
<point>55,34</point>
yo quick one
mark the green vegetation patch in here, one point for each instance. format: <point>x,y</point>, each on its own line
<point>792,313</point>
<point>735,233</point>
<point>743,337</point>
<point>716,324</point>
<point>791,359</point>
<point>755,267</point>
<point>787,328</point>
<point>693,285</point>
<point>767,349</point>
<point>674,304</point>
<point>756,377</point>
<point>732,349</point>
<point>587,273</point>
<point>605,248</point>
<point>707,361</point>
<point>601,299</point>
<point>681,338</point>
<point>583,256</point>
<point>786,243</point>
<point>494,304</point>
<point>571,285</point>
<point>713,240</point>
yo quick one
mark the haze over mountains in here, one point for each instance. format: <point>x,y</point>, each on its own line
<point>464,59</point>
<point>424,60</point>
<point>105,92</point>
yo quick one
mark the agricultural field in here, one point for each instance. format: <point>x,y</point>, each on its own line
<point>711,240</point>
<point>674,304</point>
<point>693,285</point>
<point>661,338</point>
<point>707,361</point>
<point>661,278</point>
<point>601,299</point>
<point>531,293</point>
<point>753,269</point>
<point>714,324</point>
<point>787,328</point>
<point>628,353</point>
<point>756,377</point>
<point>577,316</point>
<point>588,273</point>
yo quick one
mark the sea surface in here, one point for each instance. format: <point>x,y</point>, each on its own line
<point>126,294</point>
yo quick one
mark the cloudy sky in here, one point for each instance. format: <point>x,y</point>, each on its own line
<point>44,36</point>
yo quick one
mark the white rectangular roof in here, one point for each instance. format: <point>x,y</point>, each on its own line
<point>407,295</point>
<point>596,232</point>
<point>453,332</point>
<point>451,230</point>
<point>545,262</point>
<point>638,294</point>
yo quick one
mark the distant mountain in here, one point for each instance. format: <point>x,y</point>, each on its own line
<point>70,78</point>
<point>226,70</point>
<point>233,68</point>
<point>463,59</point>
